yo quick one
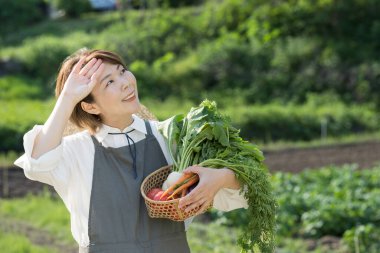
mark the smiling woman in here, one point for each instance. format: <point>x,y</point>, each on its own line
<point>114,96</point>
<point>98,172</point>
<point>110,82</point>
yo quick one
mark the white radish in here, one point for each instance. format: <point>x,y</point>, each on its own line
<point>172,178</point>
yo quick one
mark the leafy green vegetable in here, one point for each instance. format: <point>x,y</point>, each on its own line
<point>207,138</point>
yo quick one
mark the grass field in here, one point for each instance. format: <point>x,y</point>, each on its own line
<point>46,214</point>
<point>35,224</point>
<point>39,224</point>
<point>16,243</point>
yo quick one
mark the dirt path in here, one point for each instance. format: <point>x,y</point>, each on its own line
<point>366,155</point>
<point>36,236</point>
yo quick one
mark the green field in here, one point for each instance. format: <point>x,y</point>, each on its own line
<point>289,74</point>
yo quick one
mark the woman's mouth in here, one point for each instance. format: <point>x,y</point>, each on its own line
<point>129,98</point>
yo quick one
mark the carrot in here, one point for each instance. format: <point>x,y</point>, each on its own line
<point>177,184</point>
<point>186,184</point>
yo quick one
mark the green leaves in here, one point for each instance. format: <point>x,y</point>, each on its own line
<point>310,209</point>
<point>207,138</point>
<point>171,129</point>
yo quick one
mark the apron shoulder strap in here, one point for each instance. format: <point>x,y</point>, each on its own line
<point>148,127</point>
<point>95,141</point>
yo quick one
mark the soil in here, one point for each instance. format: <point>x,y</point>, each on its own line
<point>365,155</point>
<point>13,183</point>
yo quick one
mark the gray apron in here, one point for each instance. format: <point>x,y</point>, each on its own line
<point>118,219</point>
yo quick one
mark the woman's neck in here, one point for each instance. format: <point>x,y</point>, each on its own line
<point>121,123</point>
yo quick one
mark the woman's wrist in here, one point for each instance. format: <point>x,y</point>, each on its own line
<point>67,100</point>
<point>230,180</point>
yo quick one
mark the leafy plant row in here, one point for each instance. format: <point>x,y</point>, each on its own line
<point>339,201</point>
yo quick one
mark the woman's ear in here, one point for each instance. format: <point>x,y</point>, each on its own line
<point>90,108</point>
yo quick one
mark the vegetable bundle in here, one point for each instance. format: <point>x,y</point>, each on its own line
<point>207,138</point>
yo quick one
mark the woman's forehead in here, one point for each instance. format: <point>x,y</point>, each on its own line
<point>109,68</point>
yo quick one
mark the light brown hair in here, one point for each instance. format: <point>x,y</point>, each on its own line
<point>79,117</point>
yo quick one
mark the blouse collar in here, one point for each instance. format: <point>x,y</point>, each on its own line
<point>137,124</point>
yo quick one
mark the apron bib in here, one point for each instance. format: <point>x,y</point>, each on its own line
<point>118,219</point>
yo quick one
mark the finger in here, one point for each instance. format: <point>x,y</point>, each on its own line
<point>194,205</point>
<point>204,207</point>
<point>95,77</point>
<point>93,69</point>
<point>193,196</point>
<point>78,66</point>
<point>87,67</point>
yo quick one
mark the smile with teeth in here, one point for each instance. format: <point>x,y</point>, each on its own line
<point>130,96</point>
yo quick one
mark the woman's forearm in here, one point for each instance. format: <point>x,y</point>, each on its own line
<point>51,134</point>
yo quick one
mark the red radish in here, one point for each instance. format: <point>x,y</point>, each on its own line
<point>158,196</point>
<point>153,192</point>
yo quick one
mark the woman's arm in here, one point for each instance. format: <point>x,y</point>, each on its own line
<point>210,182</point>
<point>52,132</point>
<point>78,85</point>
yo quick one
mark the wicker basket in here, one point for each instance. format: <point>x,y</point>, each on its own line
<point>163,209</point>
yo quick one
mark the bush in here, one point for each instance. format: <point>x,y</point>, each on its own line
<point>266,123</point>
<point>19,116</point>
<point>303,122</point>
<point>41,57</point>
<point>269,51</point>
<point>316,47</point>
<point>363,238</point>
<point>221,66</point>
<point>17,14</point>
<point>147,37</point>
<point>73,8</point>
<point>63,29</point>
<point>274,122</point>
<point>19,88</point>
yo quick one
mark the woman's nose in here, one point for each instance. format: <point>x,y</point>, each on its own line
<point>125,84</point>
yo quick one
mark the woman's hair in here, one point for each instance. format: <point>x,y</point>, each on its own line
<point>79,117</point>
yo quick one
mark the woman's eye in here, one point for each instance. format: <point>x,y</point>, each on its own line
<point>109,82</point>
<point>123,71</point>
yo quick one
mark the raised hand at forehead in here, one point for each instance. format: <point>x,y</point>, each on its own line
<point>83,79</point>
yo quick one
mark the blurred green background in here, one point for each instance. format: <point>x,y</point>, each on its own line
<point>297,71</point>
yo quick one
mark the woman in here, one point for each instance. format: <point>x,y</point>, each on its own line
<point>98,172</point>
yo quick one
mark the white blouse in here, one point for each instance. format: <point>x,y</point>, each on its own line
<point>69,168</point>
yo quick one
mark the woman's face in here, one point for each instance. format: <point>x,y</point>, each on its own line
<point>116,95</point>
